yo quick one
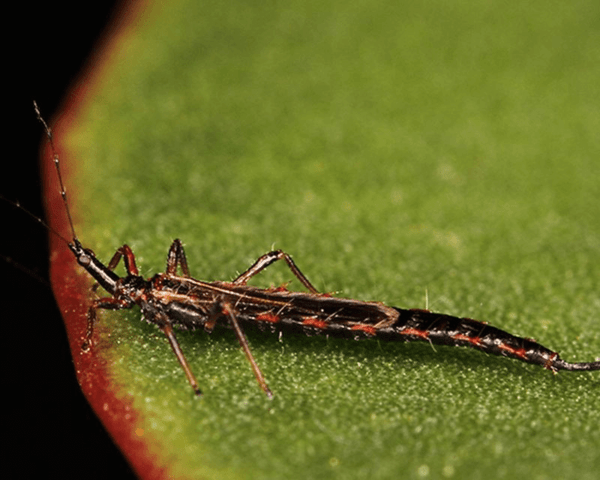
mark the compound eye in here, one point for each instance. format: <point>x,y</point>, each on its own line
<point>84,260</point>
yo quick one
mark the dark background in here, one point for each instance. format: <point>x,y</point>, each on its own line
<point>50,429</point>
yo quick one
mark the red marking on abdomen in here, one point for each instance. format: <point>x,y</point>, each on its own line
<point>268,317</point>
<point>314,322</point>
<point>368,329</point>
<point>519,352</point>
<point>417,333</point>
<point>475,341</point>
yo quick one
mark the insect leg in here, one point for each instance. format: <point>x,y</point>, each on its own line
<point>108,303</point>
<point>129,259</point>
<point>266,260</point>
<point>168,331</point>
<point>176,256</point>
<point>220,309</point>
<point>246,348</point>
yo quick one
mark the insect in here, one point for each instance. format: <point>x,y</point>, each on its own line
<point>170,300</point>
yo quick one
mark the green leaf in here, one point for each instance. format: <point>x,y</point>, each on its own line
<point>440,155</point>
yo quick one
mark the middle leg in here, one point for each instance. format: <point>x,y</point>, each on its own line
<point>266,260</point>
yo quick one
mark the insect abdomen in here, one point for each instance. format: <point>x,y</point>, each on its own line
<point>443,329</point>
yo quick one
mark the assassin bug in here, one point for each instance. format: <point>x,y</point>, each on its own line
<point>170,300</point>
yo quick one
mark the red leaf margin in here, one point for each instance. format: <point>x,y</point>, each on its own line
<point>70,284</point>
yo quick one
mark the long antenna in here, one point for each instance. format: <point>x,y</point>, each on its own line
<point>18,205</point>
<point>63,190</point>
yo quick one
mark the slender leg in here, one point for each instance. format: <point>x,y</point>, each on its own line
<point>246,348</point>
<point>266,260</point>
<point>129,259</point>
<point>168,331</point>
<point>220,309</point>
<point>176,256</point>
<point>108,303</point>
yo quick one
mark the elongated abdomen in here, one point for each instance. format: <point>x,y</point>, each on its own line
<point>441,329</point>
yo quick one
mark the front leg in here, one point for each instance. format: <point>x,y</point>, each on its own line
<point>126,253</point>
<point>269,258</point>
<point>108,303</point>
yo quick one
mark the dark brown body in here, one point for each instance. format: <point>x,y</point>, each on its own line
<point>189,303</point>
<point>169,300</point>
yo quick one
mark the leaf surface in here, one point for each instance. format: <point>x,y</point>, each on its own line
<point>436,155</point>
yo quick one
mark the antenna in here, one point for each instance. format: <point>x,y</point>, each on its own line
<point>63,190</point>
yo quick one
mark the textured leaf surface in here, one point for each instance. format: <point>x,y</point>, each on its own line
<point>399,152</point>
